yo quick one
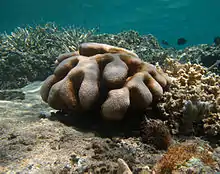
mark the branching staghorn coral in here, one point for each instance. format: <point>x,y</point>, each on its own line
<point>27,54</point>
<point>40,39</point>
<point>98,73</point>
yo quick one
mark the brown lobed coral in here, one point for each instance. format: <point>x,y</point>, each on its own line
<point>112,78</point>
<point>194,96</point>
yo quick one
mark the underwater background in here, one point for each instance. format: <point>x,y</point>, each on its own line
<point>197,20</point>
<point>109,86</point>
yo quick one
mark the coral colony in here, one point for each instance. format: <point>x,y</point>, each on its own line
<point>80,76</point>
<point>97,73</point>
<point>114,80</point>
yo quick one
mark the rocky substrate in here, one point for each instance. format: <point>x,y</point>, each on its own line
<point>36,139</point>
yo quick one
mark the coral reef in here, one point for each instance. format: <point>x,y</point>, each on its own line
<point>194,85</point>
<point>204,54</point>
<point>28,53</point>
<point>32,144</point>
<point>112,76</point>
<point>44,43</point>
<point>147,47</point>
<point>34,139</point>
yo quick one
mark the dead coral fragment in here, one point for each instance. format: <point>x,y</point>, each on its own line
<point>123,167</point>
<point>118,75</point>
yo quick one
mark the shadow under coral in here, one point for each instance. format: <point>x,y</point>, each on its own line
<point>92,121</point>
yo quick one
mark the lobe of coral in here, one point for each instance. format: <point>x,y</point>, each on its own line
<point>89,90</point>
<point>139,93</point>
<point>91,49</point>
<point>65,56</point>
<point>45,88</point>
<point>62,95</point>
<point>116,105</point>
<point>115,73</point>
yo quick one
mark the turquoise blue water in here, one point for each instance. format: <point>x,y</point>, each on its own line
<point>196,20</point>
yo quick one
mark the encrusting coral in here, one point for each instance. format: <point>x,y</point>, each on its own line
<point>112,78</point>
<point>194,96</point>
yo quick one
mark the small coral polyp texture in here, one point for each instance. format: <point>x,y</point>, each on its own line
<point>192,83</point>
<point>106,77</point>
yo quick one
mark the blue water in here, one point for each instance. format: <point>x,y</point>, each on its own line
<point>196,20</point>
